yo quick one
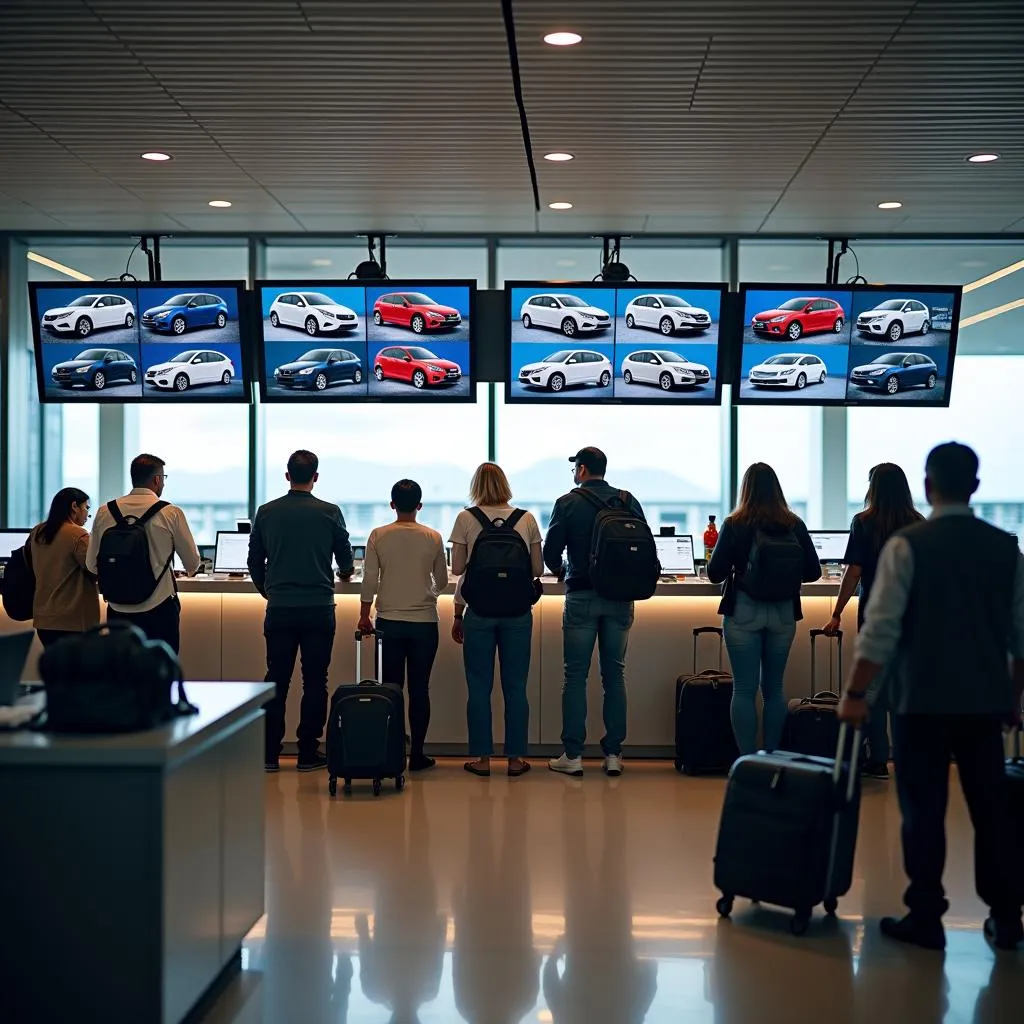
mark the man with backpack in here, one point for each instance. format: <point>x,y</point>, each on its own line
<point>131,550</point>
<point>611,562</point>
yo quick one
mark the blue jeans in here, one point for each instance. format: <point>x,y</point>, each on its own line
<point>510,638</point>
<point>586,620</point>
<point>758,636</point>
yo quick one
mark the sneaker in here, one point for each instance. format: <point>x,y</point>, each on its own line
<point>421,763</point>
<point>927,935</point>
<point>875,770</point>
<point>567,765</point>
<point>1005,934</point>
<point>613,765</point>
<point>315,763</point>
<point>271,765</point>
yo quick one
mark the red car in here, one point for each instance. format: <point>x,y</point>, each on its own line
<point>800,316</point>
<point>415,310</point>
<point>416,366</point>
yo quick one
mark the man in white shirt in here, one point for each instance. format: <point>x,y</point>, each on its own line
<point>167,532</point>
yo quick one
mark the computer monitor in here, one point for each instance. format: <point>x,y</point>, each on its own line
<point>10,541</point>
<point>232,552</point>
<point>676,555</point>
<point>830,544</point>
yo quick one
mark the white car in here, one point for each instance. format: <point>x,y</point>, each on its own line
<point>89,313</point>
<point>566,313</point>
<point>189,369</point>
<point>664,368</point>
<point>788,370</point>
<point>666,313</point>
<point>894,318</point>
<point>312,312</point>
<point>567,367</point>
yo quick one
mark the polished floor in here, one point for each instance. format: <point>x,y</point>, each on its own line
<point>549,899</point>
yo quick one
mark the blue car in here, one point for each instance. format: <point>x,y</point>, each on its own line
<point>319,368</point>
<point>181,313</point>
<point>95,368</point>
<point>893,372</point>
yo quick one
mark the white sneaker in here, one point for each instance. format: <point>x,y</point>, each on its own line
<point>567,765</point>
<point>613,765</point>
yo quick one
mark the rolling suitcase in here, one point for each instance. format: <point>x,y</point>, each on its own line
<point>705,743</point>
<point>366,732</point>
<point>789,830</point>
<point>811,725</point>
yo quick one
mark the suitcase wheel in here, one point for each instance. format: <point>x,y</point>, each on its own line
<point>679,764</point>
<point>831,905</point>
<point>376,787</point>
<point>799,922</point>
<point>348,787</point>
<point>724,906</point>
<point>400,783</point>
<point>332,785</point>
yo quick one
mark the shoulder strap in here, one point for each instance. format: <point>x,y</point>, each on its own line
<point>515,517</point>
<point>155,509</point>
<point>477,513</point>
<point>627,500</point>
<point>591,497</point>
<point>115,512</point>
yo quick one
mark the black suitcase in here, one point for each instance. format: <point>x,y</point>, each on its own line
<point>705,743</point>
<point>811,725</point>
<point>789,830</point>
<point>366,732</point>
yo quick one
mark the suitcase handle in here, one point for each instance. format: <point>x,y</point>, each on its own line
<point>838,635</point>
<point>700,630</point>
<point>837,770</point>
<point>698,633</point>
<point>359,654</point>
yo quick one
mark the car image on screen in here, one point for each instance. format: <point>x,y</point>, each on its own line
<point>191,369</point>
<point>89,313</point>
<point>667,314</point>
<point>95,368</point>
<point>894,318</point>
<point>566,368</point>
<point>562,312</point>
<point>788,370</point>
<point>320,368</point>
<point>312,312</point>
<point>799,316</point>
<point>183,312</point>
<point>664,369</point>
<point>415,310</point>
<point>893,372</point>
<point>416,366</point>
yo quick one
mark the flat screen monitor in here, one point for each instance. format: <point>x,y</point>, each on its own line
<point>391,341</point>
<point>592,342</point>
<point>10,541</point>
<point>232,552</point>
<point>676,555</point>
<point>830,544</point>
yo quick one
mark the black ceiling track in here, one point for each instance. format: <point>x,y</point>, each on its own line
<point>517,88</point>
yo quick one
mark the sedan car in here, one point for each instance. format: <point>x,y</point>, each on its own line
<point>666,313</point>
<point>566,313</point>
<point>894,318</point>
<point>189,369</point>
<point>414,310</point>
<point>788,370</point>
<point>416,366</point>
<point>95,368</point>
<point>663,368</point>
<point>312,312</point>
<point>893,372</point>
<point>567,367</point>
<point>800,316</point>
<point>181,313</point>
<point>319,368</point>
<point>89,313</point>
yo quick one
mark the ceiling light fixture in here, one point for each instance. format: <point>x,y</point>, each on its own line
<point>61,268</point>
<point>996,275</point>
<point>559,206</point>
<point>891,205</point>
<point>220,204</point>
<point>559,158</point>
<point>156,157</point>
<point>987,314</point>
<point>563,38</point>
<point>982,158</point>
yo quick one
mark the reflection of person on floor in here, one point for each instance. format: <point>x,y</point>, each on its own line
<point>495,968</point>
<point>603,979</point>
<point>400,963</point>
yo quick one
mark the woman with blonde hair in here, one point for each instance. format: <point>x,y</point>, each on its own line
<point>480,631</point>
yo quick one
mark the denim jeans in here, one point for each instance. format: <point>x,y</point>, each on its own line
<point>510,638</point>
<point>758,636</point>
<point>586,619</point>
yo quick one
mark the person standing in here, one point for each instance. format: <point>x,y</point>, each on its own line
<point>888,507</point>
<point>588,618</point>
<point>947,613</point>
<point>293,541</point>
<point>166,532</point>
<point>66,600</point>
<point>763,555</point>
<point>405,569</point>
<point>510,636</point>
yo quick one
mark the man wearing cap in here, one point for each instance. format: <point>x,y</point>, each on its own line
<point>588,618</point>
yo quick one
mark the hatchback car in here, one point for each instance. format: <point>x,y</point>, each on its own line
<point>319,368</point>
<point>416,366</point>
<point>800,316</point>
<point>312,312</point>
<point>190,369</point>
<point>893,372</point>
<point>414,310</point>
<point>566,313</point>
<point>566,368</point>
<point>666,313</point>
<point>183,312</point>
<point>95,368</point>
<point>788,370</point>
<point>89,313</point>
<point>663,368</point>
<point>894,318</point>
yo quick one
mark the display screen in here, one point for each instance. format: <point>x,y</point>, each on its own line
<point>676,554</point>
<point>390,341</point>
<point>169,342</point>
<point>651,343</point>
<point>830,545</point>
<point>232,553</point>
<point>10,541</point>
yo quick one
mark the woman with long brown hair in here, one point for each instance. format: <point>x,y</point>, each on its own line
<point>763,555</point>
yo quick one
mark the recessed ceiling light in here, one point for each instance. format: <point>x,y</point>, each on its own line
<point>563,38</point>
<point>220,204</point>
<point>156,157</point>
<point>559,206</point>
<point>893,205</point>
<point>982,158</point>
<point>559,158</point>
<point>321,263</point>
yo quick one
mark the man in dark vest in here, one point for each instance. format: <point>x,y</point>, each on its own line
<point>947,612</point>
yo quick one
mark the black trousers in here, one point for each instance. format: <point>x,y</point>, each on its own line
<point>161,623</point>
<point>923,746</point>
<point>408,652</point>
<point>48,637</point>
<point>289,631</point>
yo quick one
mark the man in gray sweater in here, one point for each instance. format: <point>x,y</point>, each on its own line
<point>292,543</point>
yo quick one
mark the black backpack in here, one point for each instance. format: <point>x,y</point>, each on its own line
<point>624,562</point>
<point>123,566</point>
<point>775,566</point>
<point>499,578</point>
<point>19,584</point>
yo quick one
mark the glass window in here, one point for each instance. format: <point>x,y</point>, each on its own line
<point>785,439</point>
<point>299,259</point>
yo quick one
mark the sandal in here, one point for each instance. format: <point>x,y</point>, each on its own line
<point>475,768</point>
<point>524,767</point>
